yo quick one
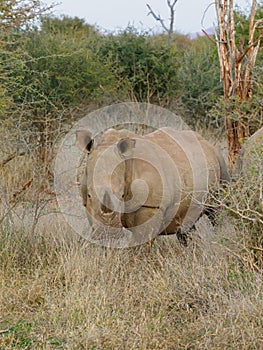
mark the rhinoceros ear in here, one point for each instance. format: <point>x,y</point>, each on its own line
<point>84,140</point>
<point>125,146</point>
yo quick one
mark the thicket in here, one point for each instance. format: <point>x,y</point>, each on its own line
<point>64,65</point>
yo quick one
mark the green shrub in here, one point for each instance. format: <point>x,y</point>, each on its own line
<point>145,67</point>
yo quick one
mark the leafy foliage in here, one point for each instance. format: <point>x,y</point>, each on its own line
<point>242,22</point>
<point>57,72</point>
<point>199,79</point>
<point>145,67</point>
<point>63,69</point>
<point>16,18</point>
<point>65,65</point>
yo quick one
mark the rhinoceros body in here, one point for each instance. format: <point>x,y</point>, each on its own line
<point>149,185</point>
<point>250,156</point>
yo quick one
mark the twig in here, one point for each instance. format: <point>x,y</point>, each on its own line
<point>171,4</point>
<point>257,248</point>
<point>24,187</point>
<point>209,36</point>
<point>157,18</point>
<point>11,157</point>
<point>204,14</point>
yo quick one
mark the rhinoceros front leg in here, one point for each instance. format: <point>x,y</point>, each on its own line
<point>210,212</point>
<point>145,224</point>
<point>182,236</point>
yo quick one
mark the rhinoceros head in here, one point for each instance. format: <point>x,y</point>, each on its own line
<point>103,183</point>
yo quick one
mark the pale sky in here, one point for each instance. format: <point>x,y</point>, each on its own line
<point>118,14</point>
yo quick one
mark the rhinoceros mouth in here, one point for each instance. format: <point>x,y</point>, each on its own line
<point>106,212</point>
<point>150,207</point>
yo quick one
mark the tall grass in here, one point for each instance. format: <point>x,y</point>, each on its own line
<point>60,292</point>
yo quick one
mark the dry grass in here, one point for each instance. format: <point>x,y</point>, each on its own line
<point>60,292</point>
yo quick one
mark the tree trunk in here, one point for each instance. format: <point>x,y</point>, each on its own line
<point>236,65</point>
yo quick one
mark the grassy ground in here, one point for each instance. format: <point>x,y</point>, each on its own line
<point>60,292</point>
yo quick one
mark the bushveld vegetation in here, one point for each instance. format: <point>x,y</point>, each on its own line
<point>61,292</point>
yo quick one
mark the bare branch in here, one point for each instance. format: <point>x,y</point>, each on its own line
<point>157,18</point>
<point>236,66</point>
<point>255,43</point>
<point>23,188</point>
<point>204,14</point>
<point>172,16</point>
<point>209,36</point>
<point>251,22</point>
<point>171,4</point>
<point>258,22</point>
<point>10,157</point>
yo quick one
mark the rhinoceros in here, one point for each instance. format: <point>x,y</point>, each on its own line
<point>145,186</point>
<point>250,156</point>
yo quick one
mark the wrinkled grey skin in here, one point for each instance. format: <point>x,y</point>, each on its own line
<point>158,185</point>
<point>250,154</point>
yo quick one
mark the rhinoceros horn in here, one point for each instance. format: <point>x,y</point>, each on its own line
<point>107,206</point>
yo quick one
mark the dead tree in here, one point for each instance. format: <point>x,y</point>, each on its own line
<point>169,29</point>
<point>236,67</point>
